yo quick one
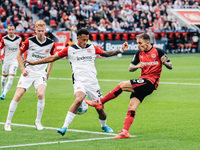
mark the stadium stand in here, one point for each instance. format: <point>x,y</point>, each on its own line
<point>106,20</point>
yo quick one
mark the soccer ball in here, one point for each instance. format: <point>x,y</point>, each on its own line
<point>82,108</point>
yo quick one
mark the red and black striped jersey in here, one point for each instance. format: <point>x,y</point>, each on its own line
<point>153,67</point>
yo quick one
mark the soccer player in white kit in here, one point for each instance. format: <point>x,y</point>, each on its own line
<point>37,47</point>
<point>11,44</point>
<point>81,57</point>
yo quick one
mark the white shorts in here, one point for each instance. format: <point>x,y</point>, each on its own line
<point>92,90</point>
<point>9,68</point>
<point>36,80</point>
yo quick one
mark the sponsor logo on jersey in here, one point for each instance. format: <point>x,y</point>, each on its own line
<point>151,63</point>
<point>89,51</point>
<point>38,56</point>
<point>84,58</point>
<point>13,49</point>
<point>78,88</point>
<point>47,51</point>
<point>153,55</point>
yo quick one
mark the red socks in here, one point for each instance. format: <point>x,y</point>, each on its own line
<point>128,120</point>
<point>112,94</point>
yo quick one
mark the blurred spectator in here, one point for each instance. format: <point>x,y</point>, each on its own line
<point>135,27</point>
<point>46,14</point>
<point>73,27</point>
<point>184,27</point>
<point>53,13</point>
<point>187,43</point>
<point>116,25</point>
<point>3,17</point>
<point>15,18</point>
<point>62,25</point>
<point>168,43</point>
<point>7,22</point>
<point>14,3</point>
<point>166,26</point>
<point>72,18</point>
<point>8,11</point>
<point>2,10</point>
<point>29,16</point>
<point>23,22</point>
<point>152,36</point>
<point>22,12</point>
<point>101,27</point>
<point>19,27</point>
<point>2,28</point>
<point>179,43</point>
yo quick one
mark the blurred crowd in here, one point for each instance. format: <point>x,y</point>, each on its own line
<point>100,15</point>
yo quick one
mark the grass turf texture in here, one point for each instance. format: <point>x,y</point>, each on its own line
<point>167,119</point>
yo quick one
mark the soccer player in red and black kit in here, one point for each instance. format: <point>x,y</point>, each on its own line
<point>150,59</point>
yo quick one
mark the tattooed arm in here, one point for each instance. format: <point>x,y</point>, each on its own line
<point>112,53</point>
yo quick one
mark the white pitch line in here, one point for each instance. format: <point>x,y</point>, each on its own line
<point>56,142</point>
<point>115,80</point>
<point>73,130</point>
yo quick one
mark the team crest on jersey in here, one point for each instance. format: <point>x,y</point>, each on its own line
<point>89,51</point>
<point>20,83</point>
<point>47,51</point>
<point>78,88</point>
<point>153,55</point>
<point>17,43</point>
<point>141,56</point>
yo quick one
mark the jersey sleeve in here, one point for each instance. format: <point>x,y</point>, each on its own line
<point>136,60</point>
<point>98,50</point>
<point>2,43</point>
<point>52,49</point>
<point>161,53</point>
<point>20,44</point>
<point>63,52</point>
<point>24,46</point>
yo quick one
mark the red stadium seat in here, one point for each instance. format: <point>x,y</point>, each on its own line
<point>53,23</point>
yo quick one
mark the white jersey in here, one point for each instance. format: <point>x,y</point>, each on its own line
<point>82,61</point>
<point>11,47</point>
<point>36,51</point>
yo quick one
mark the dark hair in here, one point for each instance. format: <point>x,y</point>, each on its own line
<point>82,31</point>
<point>144,36</point>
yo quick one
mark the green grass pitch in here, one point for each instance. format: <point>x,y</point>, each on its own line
<point>168,119</point>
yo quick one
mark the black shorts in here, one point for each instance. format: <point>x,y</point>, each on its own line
<point>142,88</point>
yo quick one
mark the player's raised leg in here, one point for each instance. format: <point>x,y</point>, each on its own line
<point>13,106</point>
<point>123,86</point>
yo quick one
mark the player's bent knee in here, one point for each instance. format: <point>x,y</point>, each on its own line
<point>40,95</point>
<point>122,84</point>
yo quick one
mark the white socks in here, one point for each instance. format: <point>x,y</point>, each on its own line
<point>103,122</point>
<point>8,84</point>
<point>3,82</point>
<point>40,108</point>
<point>11,111</point>
<point>69,118</point>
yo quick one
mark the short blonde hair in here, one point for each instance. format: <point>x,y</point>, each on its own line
<point>40,23</point>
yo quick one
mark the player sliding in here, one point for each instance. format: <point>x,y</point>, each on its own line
<point>150,60</point>
<point>81,57</point>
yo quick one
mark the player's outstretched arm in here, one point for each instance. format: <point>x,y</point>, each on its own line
<point>167,64</point>
<point>48,59</point>
<point>115,52</point>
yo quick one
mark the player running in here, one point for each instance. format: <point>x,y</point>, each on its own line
<point>37,47</point>
<point>81,57</point>
<point>11,44</point>
<point>151,60</point>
